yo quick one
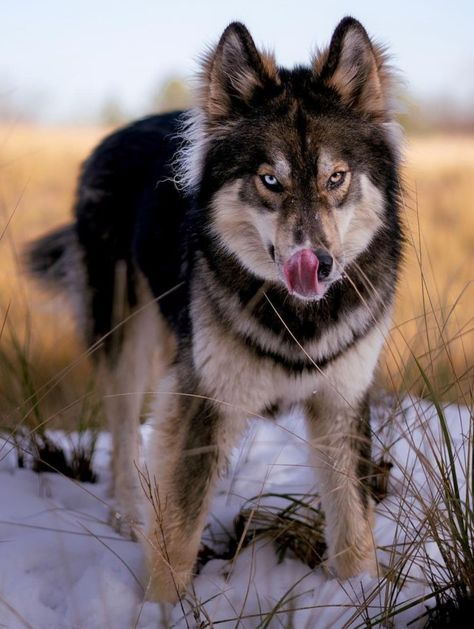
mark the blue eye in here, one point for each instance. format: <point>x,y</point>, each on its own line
<point>271,182</point>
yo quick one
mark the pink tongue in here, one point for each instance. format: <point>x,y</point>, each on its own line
<point>301,273</point>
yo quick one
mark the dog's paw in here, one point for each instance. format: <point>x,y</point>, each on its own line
<point>170,569</point>
<point>164,589</point>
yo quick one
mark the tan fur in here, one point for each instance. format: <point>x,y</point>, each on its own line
<point>244,230</point>
<point>148,348</point>
<point>173,543</point>
<point>171,547</point>
<point>269,64</point>
<point>378,90</point>
<point>359,222</point>
<point>351,547</point>
<point>350,227</point>
<point>211,95</point>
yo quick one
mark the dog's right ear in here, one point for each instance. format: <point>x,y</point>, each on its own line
<point>233,72</point>
<point>357,70</point>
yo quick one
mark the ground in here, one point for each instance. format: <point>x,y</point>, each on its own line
<point>64,567</point>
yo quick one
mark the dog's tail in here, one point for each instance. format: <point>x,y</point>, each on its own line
<point>49,258</point>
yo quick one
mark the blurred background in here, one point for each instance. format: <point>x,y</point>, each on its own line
<point>72,71</point>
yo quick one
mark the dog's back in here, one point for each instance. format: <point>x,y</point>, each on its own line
<point>129,216</point>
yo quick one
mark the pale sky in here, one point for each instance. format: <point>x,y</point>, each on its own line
<point>67,57</point>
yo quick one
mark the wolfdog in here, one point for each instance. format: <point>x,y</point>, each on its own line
<point>238,259</point>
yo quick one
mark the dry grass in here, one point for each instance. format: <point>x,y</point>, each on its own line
<point>433,322</point>
<point>434,316</point>
<point>38,172</point>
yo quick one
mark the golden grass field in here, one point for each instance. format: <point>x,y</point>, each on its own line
<point>42,365</point>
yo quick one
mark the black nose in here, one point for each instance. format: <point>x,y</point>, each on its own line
<point>325,263</point>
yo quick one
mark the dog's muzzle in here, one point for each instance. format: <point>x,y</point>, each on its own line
<point>305,271</point>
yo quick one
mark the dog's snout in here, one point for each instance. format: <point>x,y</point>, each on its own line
<point>325,263</point>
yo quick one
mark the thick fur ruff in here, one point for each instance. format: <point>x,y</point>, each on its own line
<point>239,259</point>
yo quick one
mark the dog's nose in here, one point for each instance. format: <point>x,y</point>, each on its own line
<point>325,263</point>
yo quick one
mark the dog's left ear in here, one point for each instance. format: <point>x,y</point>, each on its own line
<point>357,70</point>
<point>232,72</point>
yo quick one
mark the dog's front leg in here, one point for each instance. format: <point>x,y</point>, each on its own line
<point>340,441</point>
<point>189,447</point>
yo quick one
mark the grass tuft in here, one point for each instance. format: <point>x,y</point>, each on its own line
<point>298,528</point>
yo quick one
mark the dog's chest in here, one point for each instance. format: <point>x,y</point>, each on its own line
<point>231,372</point>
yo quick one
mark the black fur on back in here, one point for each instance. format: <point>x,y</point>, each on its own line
<point>128,209</point>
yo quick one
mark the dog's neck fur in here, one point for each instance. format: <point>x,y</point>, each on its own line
<point>236,295</point>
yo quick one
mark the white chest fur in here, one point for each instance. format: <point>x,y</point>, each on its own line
<point>230,372</point>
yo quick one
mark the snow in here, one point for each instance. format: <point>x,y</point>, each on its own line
<point>63,566</point>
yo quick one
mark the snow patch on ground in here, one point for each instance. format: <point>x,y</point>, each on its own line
<point>62,566</point>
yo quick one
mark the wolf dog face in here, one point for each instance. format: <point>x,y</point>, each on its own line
<point>294,164</point>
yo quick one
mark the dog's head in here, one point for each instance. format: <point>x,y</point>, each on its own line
<point>294,165</point>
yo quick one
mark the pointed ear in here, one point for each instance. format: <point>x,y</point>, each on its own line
<point>232,72</point>
<point>357,70</point>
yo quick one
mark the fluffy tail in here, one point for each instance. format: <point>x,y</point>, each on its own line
<point>49,258</point>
